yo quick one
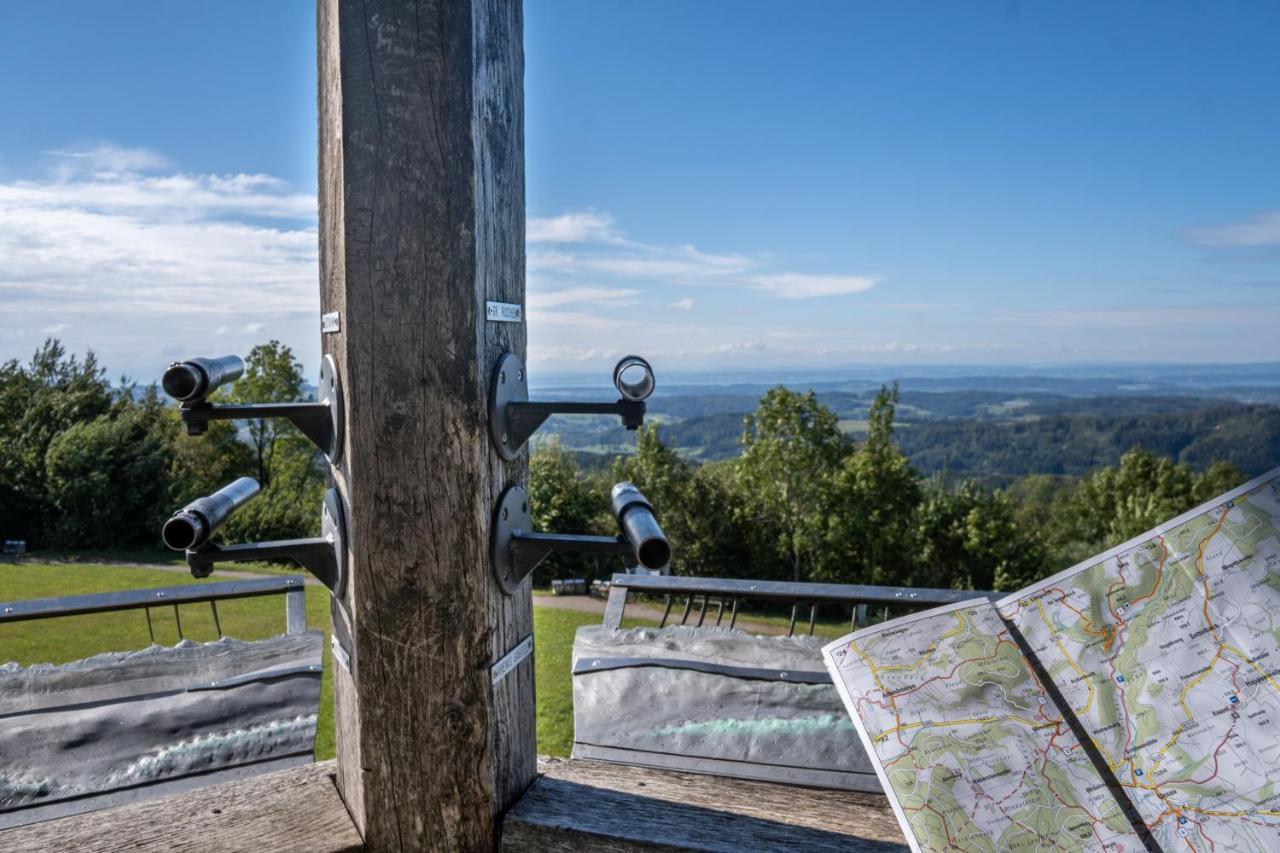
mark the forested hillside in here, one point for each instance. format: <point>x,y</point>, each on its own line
<point>984,434</point>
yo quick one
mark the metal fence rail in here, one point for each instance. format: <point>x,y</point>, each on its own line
<point>728,592</point>
<point>292,587</point>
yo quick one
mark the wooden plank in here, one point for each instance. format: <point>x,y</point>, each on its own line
<point>296,810</point>
<point>422,221</point>
<point>591,805</point>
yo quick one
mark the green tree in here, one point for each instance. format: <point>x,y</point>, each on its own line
<point>695,507</point>
<point>1117,503</point>
<point>970,538</point>
<point>105,478</point>
<point>272,375</point>
<point>562,500</point>
<point>1218,478</point>
<point>792,449</point>
<point>876,492</point>
<point>37,402</point>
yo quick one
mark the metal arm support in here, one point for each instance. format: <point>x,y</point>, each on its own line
<point>524,418</point>
<point>324,556</point>
<point>513,419</point>
<point>321,421</point>
<point>314,419</point>
<point>514,549</point>
<point>315,555</point>
<point>530,549</point>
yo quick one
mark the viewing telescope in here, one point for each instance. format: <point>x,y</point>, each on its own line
<point>191,382</point>
<point>513,418</point>
<point>197,378</point>
<point>515,549</point>
<point>640,527</point>
<point>190,528</point>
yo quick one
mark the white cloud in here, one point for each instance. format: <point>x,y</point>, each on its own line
<point>253,328</point>
<point>685,304</point>
<point>576,295</point>
<point>113,242</point>
<point>112,158</point>
<point>588,227</point>
<point>802,286</point>
<point>55,328</point>
<point>603,250</point>
<point>1257,231</point>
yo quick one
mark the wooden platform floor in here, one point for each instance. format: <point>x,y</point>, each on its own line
<point>297,810</point>
<point>593,805</point>
<point>573,806</point>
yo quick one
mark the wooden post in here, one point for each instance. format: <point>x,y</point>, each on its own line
<point>421,221</point>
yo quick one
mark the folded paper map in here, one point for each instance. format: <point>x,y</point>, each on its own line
<point>1131,702</point>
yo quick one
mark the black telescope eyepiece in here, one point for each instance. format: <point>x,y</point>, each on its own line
<point>633,377</point>
<point>191,526</point>
<point>197,378</point>
<point>640,526</point>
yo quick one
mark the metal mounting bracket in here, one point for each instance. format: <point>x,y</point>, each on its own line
<point>321,421</point>
<point>513,419</point>
<point>324,556</point>
<point>510,518</point>
<point>515,550</point>
<point>509,384</point>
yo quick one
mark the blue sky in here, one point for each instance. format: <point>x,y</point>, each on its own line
<point>714,184</point>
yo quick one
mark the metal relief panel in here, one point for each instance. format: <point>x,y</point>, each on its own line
<point>716,701</point>
<point>128,721</point>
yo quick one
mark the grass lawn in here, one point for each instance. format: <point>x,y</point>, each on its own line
<point>69,638</point>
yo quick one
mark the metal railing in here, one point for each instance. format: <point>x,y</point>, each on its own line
<point>729,592</point>
<point>292,587</point>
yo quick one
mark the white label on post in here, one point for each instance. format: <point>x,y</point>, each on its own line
<point>329,323</point>
<point>503,312</point>
<point>512,659</point>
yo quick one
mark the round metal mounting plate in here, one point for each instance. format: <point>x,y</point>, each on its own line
<point>333,526</point>
<point>511,516</point>
<point>509,384</point>
<point>330,391</point>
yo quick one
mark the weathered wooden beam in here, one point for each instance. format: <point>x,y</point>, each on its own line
<point>422,221</point>
<point>591,805</point>
<point>296,810</point>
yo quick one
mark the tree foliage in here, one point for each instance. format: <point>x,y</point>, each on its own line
<point>87,466</point>
<point>562,500</point>
<point>792,448</point>
<point>271,375</point>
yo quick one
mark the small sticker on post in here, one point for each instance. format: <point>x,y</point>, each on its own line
<point>330,323</point>
<point>503,312</point>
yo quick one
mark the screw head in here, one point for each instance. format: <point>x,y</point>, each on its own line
<point>505,513</point>
<point>504,438</point>
<point>502,377</point>
<point>520,375</point>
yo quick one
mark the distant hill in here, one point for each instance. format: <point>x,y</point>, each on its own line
<point>990,434</point>
<point>1246,436</point>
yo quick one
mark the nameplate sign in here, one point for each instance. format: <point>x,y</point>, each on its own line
<point>503,312</point>
<point>512,659</point>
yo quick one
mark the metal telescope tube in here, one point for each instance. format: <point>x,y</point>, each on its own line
<point>640,527</point>
<point>197,378</point>
<point>191,526</point>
